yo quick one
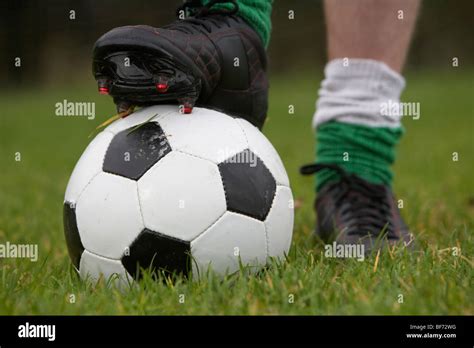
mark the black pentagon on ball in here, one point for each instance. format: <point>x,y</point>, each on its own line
<point>248,184</point>
<point>158,253</point>
<point>71,232</point>
<point>135,150</point>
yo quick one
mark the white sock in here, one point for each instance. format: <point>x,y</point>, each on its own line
<point>355,90</point>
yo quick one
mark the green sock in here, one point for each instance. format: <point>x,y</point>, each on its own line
<point>257,13</point>
<point>365,151</point>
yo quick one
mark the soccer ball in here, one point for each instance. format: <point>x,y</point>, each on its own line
<point>177,193</point>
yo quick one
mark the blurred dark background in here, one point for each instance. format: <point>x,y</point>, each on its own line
<point>55,49</point>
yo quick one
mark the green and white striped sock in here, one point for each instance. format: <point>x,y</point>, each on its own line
<point>352,129</point>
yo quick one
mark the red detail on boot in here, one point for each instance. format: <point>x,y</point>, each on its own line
<point>103,90</point>
<point>161,87</point>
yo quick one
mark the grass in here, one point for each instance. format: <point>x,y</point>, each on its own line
<point>438,196</point>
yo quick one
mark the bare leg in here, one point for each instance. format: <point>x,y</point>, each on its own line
<point>372,29</point>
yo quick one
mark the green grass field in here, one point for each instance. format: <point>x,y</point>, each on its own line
<point>438,196</point>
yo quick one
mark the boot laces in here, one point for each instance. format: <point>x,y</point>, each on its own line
<point>364,207</point>
<point>200,15</point>
<point>196,9</point>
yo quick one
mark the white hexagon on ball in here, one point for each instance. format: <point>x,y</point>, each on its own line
<point>181,196</point>
<point>108,215</point>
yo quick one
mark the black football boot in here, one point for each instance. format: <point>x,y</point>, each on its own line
<point>212,58</point>
<point>354,211</point>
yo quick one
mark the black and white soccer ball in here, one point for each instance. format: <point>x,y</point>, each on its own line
<point>177,193</point>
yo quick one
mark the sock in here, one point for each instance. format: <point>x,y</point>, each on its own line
<point>353,130</point>
<point>257,13</point>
